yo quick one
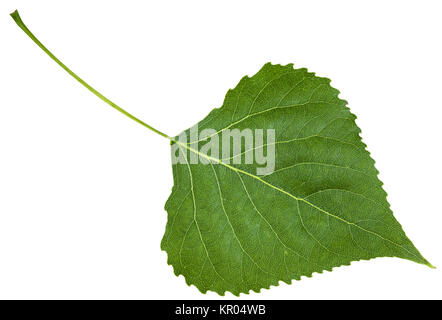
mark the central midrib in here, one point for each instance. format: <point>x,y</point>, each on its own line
<point>296,198</point>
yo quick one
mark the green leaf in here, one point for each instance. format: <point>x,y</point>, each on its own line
<point>229,229</point>
<point>320,207</point>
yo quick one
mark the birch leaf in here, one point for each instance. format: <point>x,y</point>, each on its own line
<point>320,206</point>
<point>323,206</point>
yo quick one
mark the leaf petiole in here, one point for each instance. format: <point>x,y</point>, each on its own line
<point>15,15</point>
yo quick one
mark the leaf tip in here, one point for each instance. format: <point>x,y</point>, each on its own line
<point>425,262</point>
<point>430,265</point>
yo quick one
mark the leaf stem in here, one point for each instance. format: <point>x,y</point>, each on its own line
<point>15,15</point>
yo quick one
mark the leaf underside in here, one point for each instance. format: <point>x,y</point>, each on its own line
<point>323,206</point>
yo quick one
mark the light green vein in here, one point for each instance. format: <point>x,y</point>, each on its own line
<point>299,199</point>
<point>231,226</point>
<point>289,141</point>
<point>196,222</point>
<point>258,113</point>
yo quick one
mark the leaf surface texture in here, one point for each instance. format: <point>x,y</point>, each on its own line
<point>229,229</point>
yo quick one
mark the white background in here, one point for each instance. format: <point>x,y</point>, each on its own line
<point>82,188</point>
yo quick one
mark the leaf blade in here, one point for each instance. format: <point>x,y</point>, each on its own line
<point>322,207</point>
